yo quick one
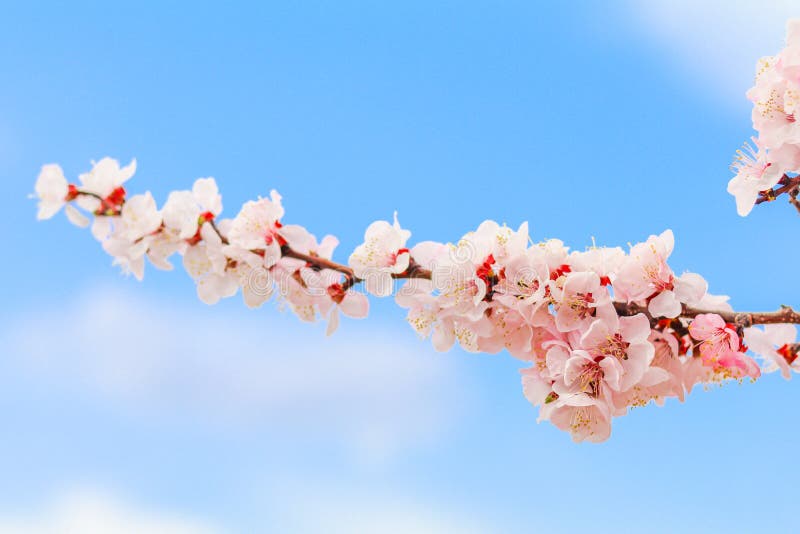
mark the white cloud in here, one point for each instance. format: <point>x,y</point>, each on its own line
<point>716,42</point>
<point>309,507</point>
<point>377,389</point>
<point>313,507</point>
<point>93,511</point>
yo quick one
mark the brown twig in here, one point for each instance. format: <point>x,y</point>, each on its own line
<point>789,185</point>
<point>740,319</point>
<point>793,198</point>
<point>413,271</point>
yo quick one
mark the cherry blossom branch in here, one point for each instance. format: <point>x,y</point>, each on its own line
<point>318,263</point>
<point>788,186</point>
<point>495,289</point>
<point>785,315</point>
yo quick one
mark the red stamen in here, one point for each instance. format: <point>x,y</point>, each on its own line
<point>336,292</point>
<point>560,271</point>
<point>116,197</point>
<point>789,353</point>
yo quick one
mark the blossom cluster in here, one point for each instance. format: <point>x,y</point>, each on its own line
<point>601,330</point>
<point>223,256</point>
<point>774,157</point>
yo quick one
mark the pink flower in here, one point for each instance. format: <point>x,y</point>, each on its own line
<point>715,335</point>
<point>645,273</point>
<point>668,358</point>
<point>586,418</point>
<point>581,299</point>
<point>628,344</point>
<point>645,276</point>
<point>720,348</point>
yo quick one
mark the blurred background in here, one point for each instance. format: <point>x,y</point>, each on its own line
<point>133,407</point>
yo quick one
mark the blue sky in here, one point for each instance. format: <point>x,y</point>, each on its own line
<point>133,405</point>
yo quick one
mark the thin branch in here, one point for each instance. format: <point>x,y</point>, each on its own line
<point>793,198</point>
<point>80,192</point>
<point>742,319</point>
<point>413,271</point>
<point>316,261</point>
<point>789,185</point>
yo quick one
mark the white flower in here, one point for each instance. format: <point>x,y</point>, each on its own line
<point>184,209</point>
<point>767,342</point>
<point>382,254</point>
<point>105,178</point>
<point>51,190</point>
<point>140,216</point>
<point>256,227</point>
<point>207,264</point>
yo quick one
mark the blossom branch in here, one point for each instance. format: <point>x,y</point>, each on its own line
<point>785,315</point>
<point>789,185</point>
<point>318,263</point>
<point>495,289</point>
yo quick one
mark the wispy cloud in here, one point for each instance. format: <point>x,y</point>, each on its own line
<point>307,507</point>
<point>715,42</point>
<point>95,511</point>
<point>376,389</point>
<point>341,509</point>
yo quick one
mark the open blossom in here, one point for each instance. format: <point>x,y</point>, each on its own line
<point>583,416</point>
<point>645,273</point>
<point>129,235</point>
<point>645,276</point>
<point>773,343</point>
<point>185,211</point>
<point>627,341</point>
<point>140,217</point>
<point>754,173</point>
<point>580,299</point>
<point>256,227</point>
<point>715,335</point>
<point>54,192</point>
<point>382,254</point>
<point>208,265</point>
<point>51,190</point>
<point>105,182</point>
<point>351,303</point>
<point>720,347</point>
